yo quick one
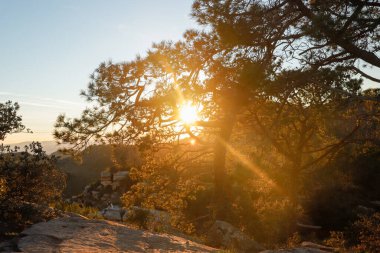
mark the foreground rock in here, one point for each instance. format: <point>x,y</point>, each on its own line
<point>75,234</point>
<point>296,250</point>
<point>306,247</point>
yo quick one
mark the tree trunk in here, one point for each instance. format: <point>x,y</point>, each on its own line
<point>294,184</point>
<point>221,190</point>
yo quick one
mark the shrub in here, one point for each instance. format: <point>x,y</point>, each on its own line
<point>363,235</point>
<point>337,240</point>
<point>294,240</point>
<point>367,233</point>
<point>29,183</point>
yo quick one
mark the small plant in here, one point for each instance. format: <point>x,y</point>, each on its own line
<point>294,240</point>
<point>337,241</point>
<point>89,212</point>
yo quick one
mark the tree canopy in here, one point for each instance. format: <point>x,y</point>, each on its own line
<point>279,72</point>
<point>300,33</point>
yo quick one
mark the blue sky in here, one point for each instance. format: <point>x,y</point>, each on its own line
<point>49,48</point>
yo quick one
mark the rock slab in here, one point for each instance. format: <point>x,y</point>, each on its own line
<point>296,250</point>
<point>75,234</point>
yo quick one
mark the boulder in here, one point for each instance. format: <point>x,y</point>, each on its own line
<point>74,234</point>
<point>223,234</point>
<point>114,213</point>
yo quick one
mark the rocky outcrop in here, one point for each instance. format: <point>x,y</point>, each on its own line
<point>223,234</point>
<point>106,178</point>
<point>74,234</point>
<point>97,195</point>
<point>115,180</point>
<point>105,191</point>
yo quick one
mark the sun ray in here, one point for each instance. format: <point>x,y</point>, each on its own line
<point>250,165</point>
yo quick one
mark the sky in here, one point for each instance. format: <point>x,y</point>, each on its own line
<point>49,48</point>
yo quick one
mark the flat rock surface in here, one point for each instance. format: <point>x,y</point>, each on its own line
<point>75,234</point>
<point>296,250</point>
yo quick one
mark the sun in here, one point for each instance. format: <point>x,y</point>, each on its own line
<point>188,113</point>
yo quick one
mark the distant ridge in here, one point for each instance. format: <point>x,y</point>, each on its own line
<point>48,146</point>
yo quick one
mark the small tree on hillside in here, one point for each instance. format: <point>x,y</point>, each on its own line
<point>10,121</point>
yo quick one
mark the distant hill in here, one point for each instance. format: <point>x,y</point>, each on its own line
<point>48,146</point>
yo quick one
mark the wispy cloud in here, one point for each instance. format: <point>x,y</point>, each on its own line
<point>41,105</point>
<point>39,101</point>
